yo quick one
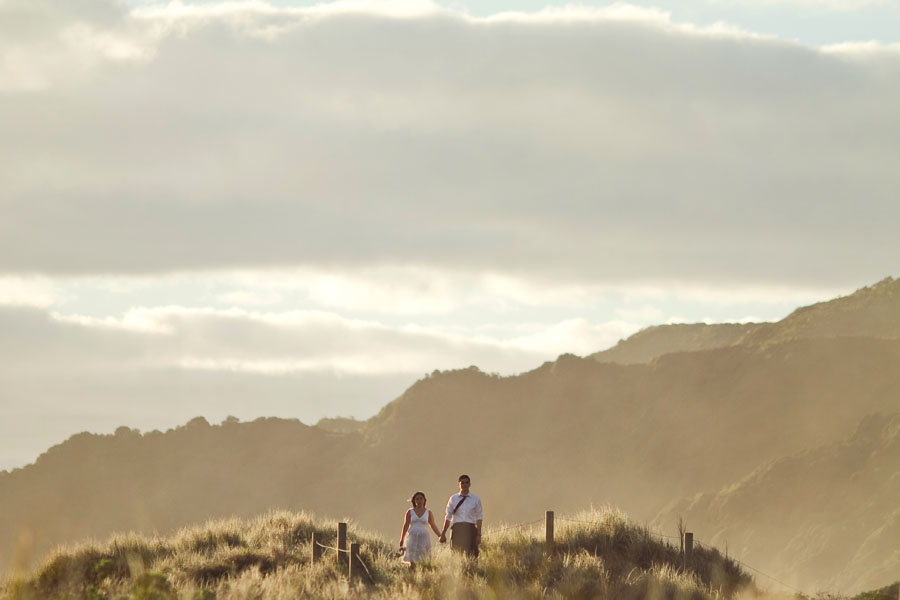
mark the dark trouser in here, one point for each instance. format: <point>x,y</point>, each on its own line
<point>462,538</point>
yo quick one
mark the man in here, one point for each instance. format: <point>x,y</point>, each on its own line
<point>464,511</point>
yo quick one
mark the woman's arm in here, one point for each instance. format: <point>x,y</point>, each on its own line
<point>405,528</point>
<point>434,526</point>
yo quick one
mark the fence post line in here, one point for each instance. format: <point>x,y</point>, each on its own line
<point>688,549</point>
<point>354,570</point>
<point>548,527</point>
<point>316,549</point>
<point>342,543</point>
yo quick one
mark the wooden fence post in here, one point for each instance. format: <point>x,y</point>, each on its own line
<point>342,543</point>
<point>355,566</point>
<point>548,527</point>
<point>688,549</point>
<point>316,548</point>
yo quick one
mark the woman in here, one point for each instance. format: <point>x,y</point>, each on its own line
<point>415,526</point>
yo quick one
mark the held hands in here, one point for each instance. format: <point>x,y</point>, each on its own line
<point>443,538</point>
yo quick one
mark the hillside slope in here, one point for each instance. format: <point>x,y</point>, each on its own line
<point>872,311</point>
<point>651,342</point>
<point>601,556</point>
<point>827,518</point>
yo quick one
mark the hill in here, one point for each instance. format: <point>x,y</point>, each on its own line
<point>872,311</point>
<point>598,554</point>
<point>652,342</point>
<point>828,517</point>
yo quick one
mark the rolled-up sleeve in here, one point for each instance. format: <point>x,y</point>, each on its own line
<point>448,512</point>
<point>477,512</point>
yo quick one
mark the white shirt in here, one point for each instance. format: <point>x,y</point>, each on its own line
<point>469,512</point>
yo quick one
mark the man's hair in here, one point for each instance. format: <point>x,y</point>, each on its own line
<point>464,476</point>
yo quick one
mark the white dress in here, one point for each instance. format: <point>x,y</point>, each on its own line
<point>418,537</point>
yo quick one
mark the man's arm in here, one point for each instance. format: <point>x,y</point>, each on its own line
<point>443,537</point>
<point>448,512</point>
<point>479,517</point>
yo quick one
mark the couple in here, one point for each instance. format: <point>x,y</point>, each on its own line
<point>463,512</point>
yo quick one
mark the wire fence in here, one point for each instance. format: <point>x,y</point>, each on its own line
<point>347,551</point>
<point>517,526</point>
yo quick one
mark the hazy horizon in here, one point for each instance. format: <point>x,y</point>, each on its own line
<point>298,209</point>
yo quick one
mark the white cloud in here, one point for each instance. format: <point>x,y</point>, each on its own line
<point>28,291</point>
<point>48,42</point>
<point>249,298</point>
<point>834,5</point>
<point>574,336</point>
<point>865,51</point>
<point>642,314</point>
<point>275,343</point>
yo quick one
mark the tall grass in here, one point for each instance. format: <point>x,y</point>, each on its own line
<point>598,554</point>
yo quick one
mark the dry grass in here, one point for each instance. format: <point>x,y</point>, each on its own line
<point>598,555</point>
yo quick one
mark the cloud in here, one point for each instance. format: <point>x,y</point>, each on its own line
<point>28,291</point>
<point>866,51</point>
<point>642,314</point>
<point>303,341</point>
<point>248,298</point>
<point>834,5</point>
<point>590,148</point>
<point>574,336</point>
<point>49,42</point>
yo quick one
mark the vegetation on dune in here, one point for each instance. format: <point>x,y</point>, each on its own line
<point>598,554</point>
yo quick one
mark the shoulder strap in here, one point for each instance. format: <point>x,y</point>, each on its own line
<point>458,504</point>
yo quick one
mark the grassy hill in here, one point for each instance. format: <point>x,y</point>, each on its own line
<point>598,554</point>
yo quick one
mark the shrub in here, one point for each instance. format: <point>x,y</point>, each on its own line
<point>153,586</point>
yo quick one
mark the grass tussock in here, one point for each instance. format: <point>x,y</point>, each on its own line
<point>597,554</point>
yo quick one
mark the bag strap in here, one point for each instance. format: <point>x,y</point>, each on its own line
<point>458,504</point>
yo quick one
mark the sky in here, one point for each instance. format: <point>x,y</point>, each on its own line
<point>298,209</point>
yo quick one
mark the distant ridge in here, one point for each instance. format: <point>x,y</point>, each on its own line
<point>872,311</point>
<point>652,342</point>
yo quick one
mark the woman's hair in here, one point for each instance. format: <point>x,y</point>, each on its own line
<point>412,499</point>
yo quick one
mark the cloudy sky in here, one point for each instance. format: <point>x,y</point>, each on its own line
<point>297,209</point>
